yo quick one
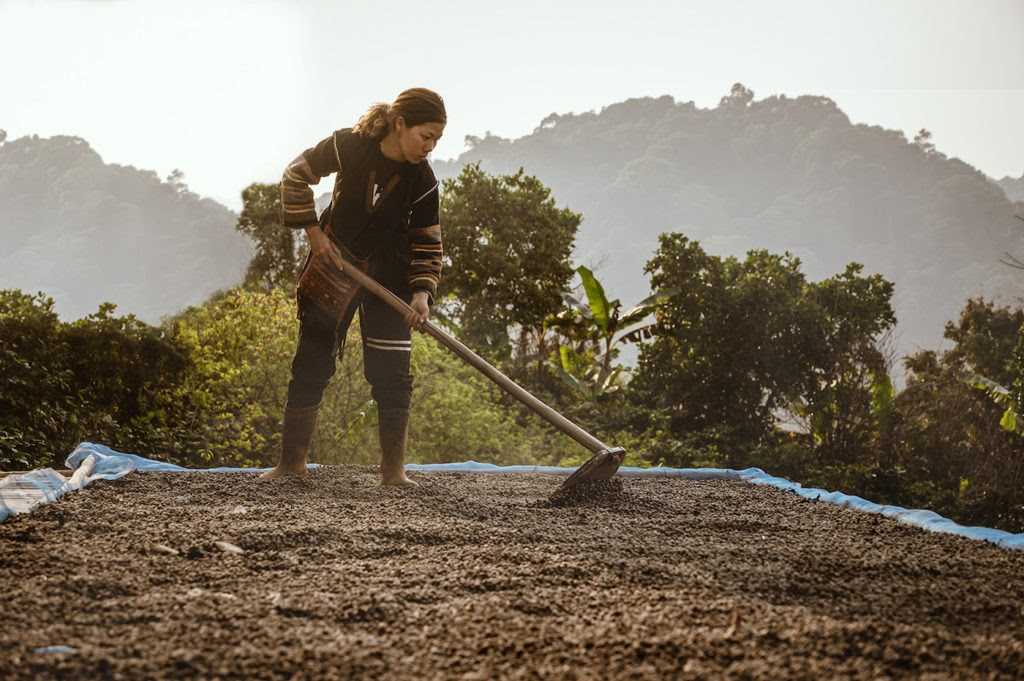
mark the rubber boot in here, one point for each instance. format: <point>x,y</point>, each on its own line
<point>393,427</point>
<point>299,424</point>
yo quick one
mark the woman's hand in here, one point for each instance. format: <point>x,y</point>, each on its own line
<point>420,309</point>
<point>320,245</point>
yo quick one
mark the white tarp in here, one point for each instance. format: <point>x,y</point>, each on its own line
<point>20,493</point>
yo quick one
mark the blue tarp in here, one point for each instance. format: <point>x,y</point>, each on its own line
<point>21,493</point>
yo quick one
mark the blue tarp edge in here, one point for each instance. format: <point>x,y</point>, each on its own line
<point>20,493</point>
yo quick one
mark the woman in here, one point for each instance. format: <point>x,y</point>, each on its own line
<point>384,218</point>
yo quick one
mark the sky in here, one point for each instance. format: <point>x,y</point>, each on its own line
<point>229,91</point>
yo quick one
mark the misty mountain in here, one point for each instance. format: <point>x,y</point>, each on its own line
<point>85,231</point>
<point>1014,187</point>
<point>779,174</point>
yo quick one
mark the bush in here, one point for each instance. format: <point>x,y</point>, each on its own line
<point>241,345</point>
<point>102,377</point>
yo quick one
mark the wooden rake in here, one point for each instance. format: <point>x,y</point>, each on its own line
<point>605,461</point>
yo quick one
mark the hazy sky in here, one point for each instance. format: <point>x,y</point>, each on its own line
<point>229,92</point>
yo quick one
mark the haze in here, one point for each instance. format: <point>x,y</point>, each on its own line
<point>229,92</point>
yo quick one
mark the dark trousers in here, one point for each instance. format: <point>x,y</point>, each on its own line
<point>387,343</point>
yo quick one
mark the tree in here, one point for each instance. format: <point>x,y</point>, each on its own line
<point>849,388</point>
<point>730,345</point>
<point>989,344</point>
<point>507,249</point>
<point>740,96</point>
<point>984,339</point>
<point>102,378</point>
<point>744,342</point>
<point>275,263</point>
<point>951,438</point>
<point>177,180</point>
<point>923,141</point>
<point>36,386</point>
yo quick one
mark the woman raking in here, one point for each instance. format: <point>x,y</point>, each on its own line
<point>384,219</point>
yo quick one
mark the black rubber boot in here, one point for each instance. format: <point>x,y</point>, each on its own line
<point>299,424</point>
<point>393,428</point>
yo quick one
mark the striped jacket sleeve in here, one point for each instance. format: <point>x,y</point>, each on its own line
<point>297,202</point>
<point>425,248</point>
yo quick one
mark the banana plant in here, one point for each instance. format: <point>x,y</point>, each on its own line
<point>1011,420</point>
<point>600,322</point>
<point>587,377</point>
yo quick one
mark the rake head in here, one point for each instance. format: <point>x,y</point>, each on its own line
<point>601,466</point>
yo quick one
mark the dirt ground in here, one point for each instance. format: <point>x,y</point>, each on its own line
<point>476,576</point>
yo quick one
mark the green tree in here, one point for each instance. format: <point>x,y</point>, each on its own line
<point>275,262</point>
<point>37,398</point>
<point>984,338</point>
<point>123,370</point>
<point>951,444</point>
<point>845,399</point>
<point>744,343</point>
<point>730,344</point>
<point>990,341</point>
<point>507,249</point>
<point>103,378</point>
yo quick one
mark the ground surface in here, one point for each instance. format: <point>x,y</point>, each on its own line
<point>475,576</point>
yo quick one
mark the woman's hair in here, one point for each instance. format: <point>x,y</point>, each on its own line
<point>416,106</point>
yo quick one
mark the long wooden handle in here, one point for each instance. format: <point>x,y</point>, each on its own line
<point>479,363</point>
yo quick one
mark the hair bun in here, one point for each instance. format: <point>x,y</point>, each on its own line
<point>416,106</point>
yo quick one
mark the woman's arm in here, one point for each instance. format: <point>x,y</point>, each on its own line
<point>297,201</point>
<point>425,247</point>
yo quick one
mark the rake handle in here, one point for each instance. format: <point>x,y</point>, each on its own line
<point>479,363</point>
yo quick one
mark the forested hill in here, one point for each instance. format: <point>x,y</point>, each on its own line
<point>85,231</point>
<point>781,174</point>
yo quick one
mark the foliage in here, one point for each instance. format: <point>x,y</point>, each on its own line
<point>243,344</point>
<point>848,392</point>
<point>208,388</point>
<point>744,344</point>
<point>229,405</point>
<point>1016,391</point>
<point>35,397</point>
<point>99,378</point>
<point>724,341</point>
<point>990,340</point>
<point>923,141</point>
<point>507,251</point>
<point>274,263</point>
<point>954,455</point>
<point>593,331</point>
<point>1011,420</point>
<point>984,338</point>
<point>460,415</point>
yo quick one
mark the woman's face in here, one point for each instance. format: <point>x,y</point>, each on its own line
<point>418,141</point>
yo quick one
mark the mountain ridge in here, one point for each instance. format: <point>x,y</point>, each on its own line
<point>85,232</point>
<point>779,173</point>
